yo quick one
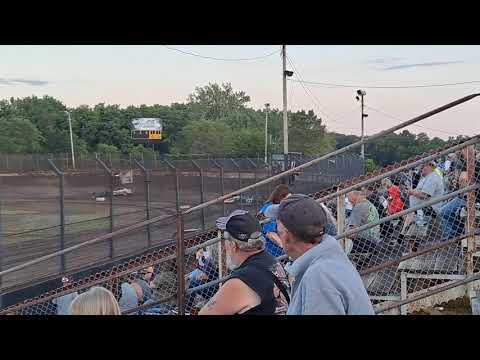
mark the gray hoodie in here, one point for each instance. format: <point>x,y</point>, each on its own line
<point>325,282</point>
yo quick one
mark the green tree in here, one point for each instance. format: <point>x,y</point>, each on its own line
<point>19,135</point>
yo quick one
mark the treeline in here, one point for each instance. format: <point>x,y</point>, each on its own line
<point>215,119</point>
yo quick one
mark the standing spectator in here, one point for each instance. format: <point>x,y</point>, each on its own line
<point>363,213</point>
<point>63,302</point>
<point>96,301</point>
<point>325,282</point>
<point>250,288</point>
<point>269,225</point>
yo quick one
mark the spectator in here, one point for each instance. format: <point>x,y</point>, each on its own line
<point>96,301</point>
<point>140,280</point>
<point>330,227</point>
<point>163,286</point>
<point>324,280</point>
<point>269,225</point>
<point>395,203</point>
<point>363,213</point>
<point>207,271</point>
<point>130,296</point>
<point>451,224</point>
<point>250,288</point>
<point>429,187</point>
<point>63,302</point>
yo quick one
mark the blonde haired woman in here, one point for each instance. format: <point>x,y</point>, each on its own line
<point>96,301</point>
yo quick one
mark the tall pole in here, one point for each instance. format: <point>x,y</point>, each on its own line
<point>285,119</point>
<point>71,138</point>
<point>363,132</point>
<point>266,132</point>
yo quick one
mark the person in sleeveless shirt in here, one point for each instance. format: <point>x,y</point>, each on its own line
<point>250,288</point>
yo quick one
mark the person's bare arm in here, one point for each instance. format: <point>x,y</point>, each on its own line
<point>419,194</point>
<point>276,238</point>
<point>233,297</point>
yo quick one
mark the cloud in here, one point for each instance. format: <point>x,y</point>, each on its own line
<point>15,82</point>
<point>433,63</point>
<point>384,60</point>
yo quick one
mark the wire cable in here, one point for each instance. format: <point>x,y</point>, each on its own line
<point>400,120</point>
<point>313,97</point>
<point>221,59</point>
<point>332,85</point>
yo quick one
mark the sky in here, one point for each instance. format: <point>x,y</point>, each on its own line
<point>156,74</point>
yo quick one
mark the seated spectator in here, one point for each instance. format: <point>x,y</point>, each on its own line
<point>63,302</point>
<point>96,301</point>
<point>206,271</point>
<point>451,224</point>
<point>325,281</point>
<point>269,224</point>
<point>164,288</point>
<point>140,280</point>
<point>395,203</point>
<point>250,288</point>
<point>130,295</point>
<point>363,213</point>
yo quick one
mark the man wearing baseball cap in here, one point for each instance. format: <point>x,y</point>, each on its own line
<point>250,288</point>
<point>324,281</point>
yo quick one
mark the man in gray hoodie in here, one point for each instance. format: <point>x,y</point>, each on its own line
<point>324,281</point>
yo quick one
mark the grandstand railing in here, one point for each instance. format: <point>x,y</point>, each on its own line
<point>386,281</point>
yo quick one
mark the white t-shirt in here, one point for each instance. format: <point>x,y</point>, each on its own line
<point>432,184</point>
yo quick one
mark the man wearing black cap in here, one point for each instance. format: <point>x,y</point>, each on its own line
<point>324,281</point>
<point>250,288</point>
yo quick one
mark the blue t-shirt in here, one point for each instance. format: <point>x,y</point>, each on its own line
<point>270,226</point>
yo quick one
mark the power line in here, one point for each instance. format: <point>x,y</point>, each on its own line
<point>400,120</point>
<point>311,95</point>
<point>221,59</point>
<point>332,85</point>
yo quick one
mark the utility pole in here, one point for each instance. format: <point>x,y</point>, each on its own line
<point>267,106</point>
<point>71,138</point>
<point>285,73</point>
<point>285,119</point>
<point>359,97</point>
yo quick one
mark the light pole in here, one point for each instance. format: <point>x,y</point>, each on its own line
<point>71,138</point>
<point>359,97</point>
<point>267,106</point>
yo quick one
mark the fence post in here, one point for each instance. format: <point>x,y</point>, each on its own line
<point>254,179</point>
<point>222,183</point>
<point>176,183</point>
<point>341,219</point>
<point>239,179</point>
<point>180,265</point>
<point>202,191</point>
<point>110,175</point>
<point>146,173</point>
<point>61,179</point>
<point>470,225</point>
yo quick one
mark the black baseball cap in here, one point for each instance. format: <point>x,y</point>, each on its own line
<point>303,216</point>
<point>241,225</point>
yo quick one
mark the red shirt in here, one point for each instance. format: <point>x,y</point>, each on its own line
<point>395,203</point>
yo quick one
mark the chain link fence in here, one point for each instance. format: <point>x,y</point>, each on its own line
<point>46,206</point>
